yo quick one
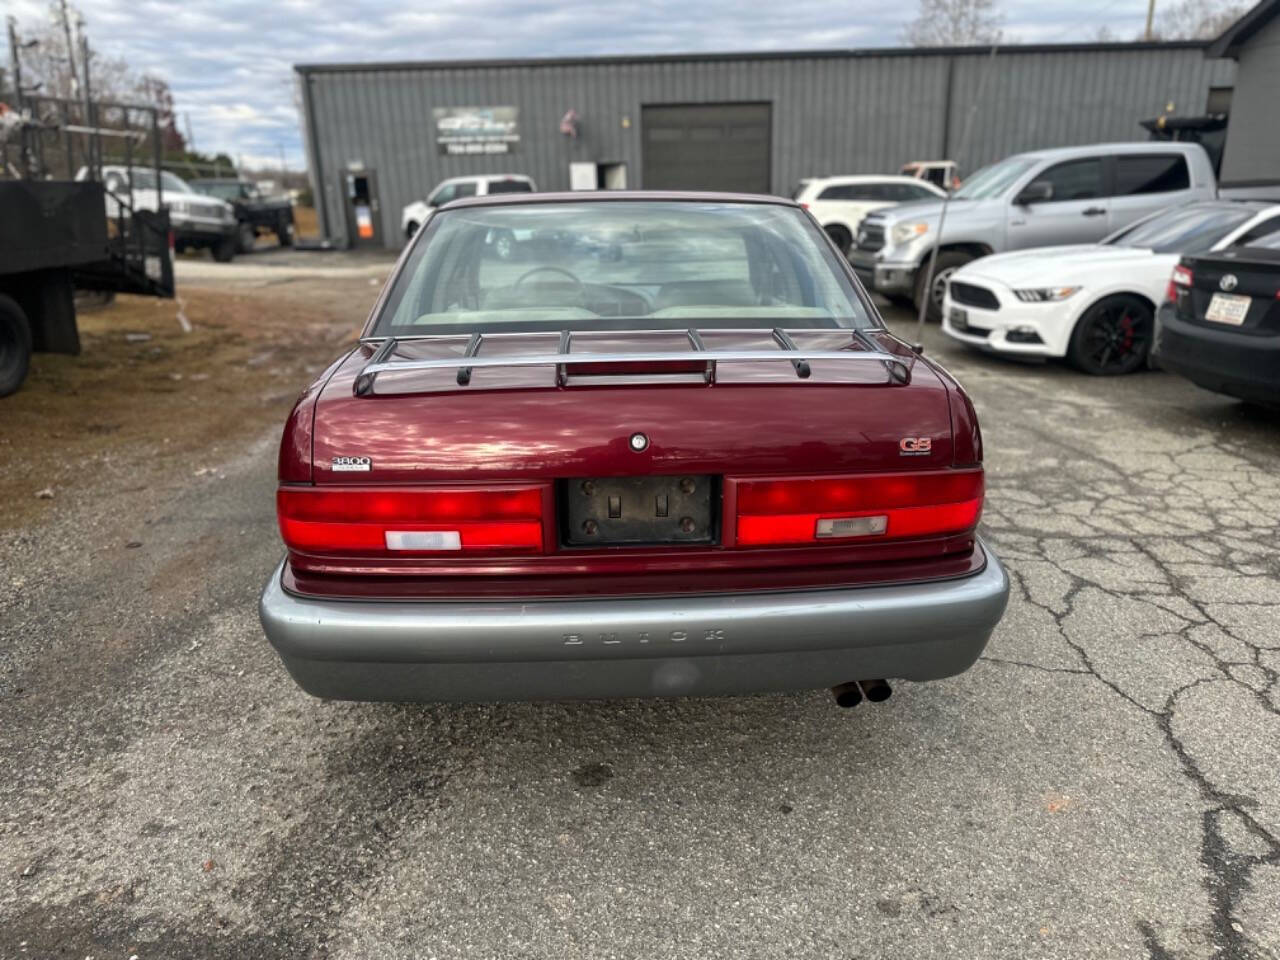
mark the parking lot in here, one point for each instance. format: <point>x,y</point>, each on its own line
<point>1103,783</point>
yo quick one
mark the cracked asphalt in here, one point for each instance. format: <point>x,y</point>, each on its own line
<point>1105,782</point>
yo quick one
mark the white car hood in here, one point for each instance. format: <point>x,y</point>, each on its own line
<point>1070,264</point>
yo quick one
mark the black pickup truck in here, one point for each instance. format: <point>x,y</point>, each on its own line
<point>255,214</point>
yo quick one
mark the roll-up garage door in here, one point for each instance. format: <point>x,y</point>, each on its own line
<point>723,146</point>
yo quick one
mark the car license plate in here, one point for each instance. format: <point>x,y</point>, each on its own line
<point>1227,308</point>
<point>959,319</point>
<point>622,511</point>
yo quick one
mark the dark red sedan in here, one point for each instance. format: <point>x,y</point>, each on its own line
<point>665,446</point>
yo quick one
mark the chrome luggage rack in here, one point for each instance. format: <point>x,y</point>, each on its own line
<point>383,357</point>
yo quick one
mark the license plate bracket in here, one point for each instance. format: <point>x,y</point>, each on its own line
<point>639,511</point>
<point>1228,308</point>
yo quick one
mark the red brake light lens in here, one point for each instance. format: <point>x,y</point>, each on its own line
<point>1181,277</point>
<point>881,506</point>
<point>384,522</point>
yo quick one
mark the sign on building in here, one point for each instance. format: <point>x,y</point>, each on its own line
<point>472,130</point>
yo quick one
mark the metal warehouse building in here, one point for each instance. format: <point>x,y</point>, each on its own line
<point>381,135</point>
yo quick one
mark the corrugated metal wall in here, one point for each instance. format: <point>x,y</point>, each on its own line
<point>1252,153</point>
<point>857,112</point>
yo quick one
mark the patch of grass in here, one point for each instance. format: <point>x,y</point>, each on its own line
<point>144,395</point>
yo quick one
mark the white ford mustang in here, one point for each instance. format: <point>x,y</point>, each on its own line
<point>1092,303</point>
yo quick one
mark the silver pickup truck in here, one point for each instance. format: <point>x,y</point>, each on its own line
<point>1049,197</point>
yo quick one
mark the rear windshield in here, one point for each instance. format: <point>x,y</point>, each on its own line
<point>1269,242</point>
<point>1185,230</point>
<point>620,265</point>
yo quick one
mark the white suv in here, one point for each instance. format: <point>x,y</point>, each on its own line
<point>416,213</point>
<point>840,203</point>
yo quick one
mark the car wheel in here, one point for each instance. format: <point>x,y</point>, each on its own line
<point>1113,336</point>
<point>504,245</point>
<point>284,232</point>
<point>246,237</point>
<point>224,250</point>
<point>15,346</point>
<point>841,237</point>
<point>410,229</point>
<point>949,261</point>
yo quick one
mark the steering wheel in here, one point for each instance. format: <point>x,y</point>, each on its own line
<point>562,272</point>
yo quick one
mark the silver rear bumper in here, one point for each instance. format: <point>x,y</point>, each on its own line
<point>653,646</point>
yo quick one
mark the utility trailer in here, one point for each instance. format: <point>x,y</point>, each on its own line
<point>56,239</point>
<point>60,236</point>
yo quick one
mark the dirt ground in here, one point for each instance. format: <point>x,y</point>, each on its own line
<point>143,395</point>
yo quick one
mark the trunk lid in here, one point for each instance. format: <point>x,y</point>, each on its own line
<point>1252,272</point>
<point>517,423</point>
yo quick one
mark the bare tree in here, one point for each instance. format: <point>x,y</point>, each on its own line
<point>1197,19</point>
<point>50,66</point>
<point>942,23</point>
<point>48,63</point>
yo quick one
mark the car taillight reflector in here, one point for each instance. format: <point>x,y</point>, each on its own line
<point>882,506</point>
<point>396,522</point>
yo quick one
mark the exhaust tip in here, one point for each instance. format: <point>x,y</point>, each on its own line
<point>847,694</point>
<point>877,691</point>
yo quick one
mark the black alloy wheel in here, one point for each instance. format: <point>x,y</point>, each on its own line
<point>1113,337</point>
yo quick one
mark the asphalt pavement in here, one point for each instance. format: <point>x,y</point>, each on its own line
<point>1105,782</point>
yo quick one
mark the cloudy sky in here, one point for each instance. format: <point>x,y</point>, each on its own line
<point>229,62</point>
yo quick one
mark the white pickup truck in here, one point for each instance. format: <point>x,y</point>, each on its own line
<point>198,221</point>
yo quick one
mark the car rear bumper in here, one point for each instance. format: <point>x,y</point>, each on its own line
<point>665,646</point>
<point>1225,360</point>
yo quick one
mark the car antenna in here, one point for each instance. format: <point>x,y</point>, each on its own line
<point>946,201</point>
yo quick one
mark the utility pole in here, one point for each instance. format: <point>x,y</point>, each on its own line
<point>15,65</point>
<point>71,50</point>
<point>15,71</point>
<point>94,154</point>
<point>1151,16</point>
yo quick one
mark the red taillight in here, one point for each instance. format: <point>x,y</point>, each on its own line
<point>880,506</point>
<point>413,522</point>
<point>1181,277</point>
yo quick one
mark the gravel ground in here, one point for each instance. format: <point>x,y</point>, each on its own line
<point>1104,783</point>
